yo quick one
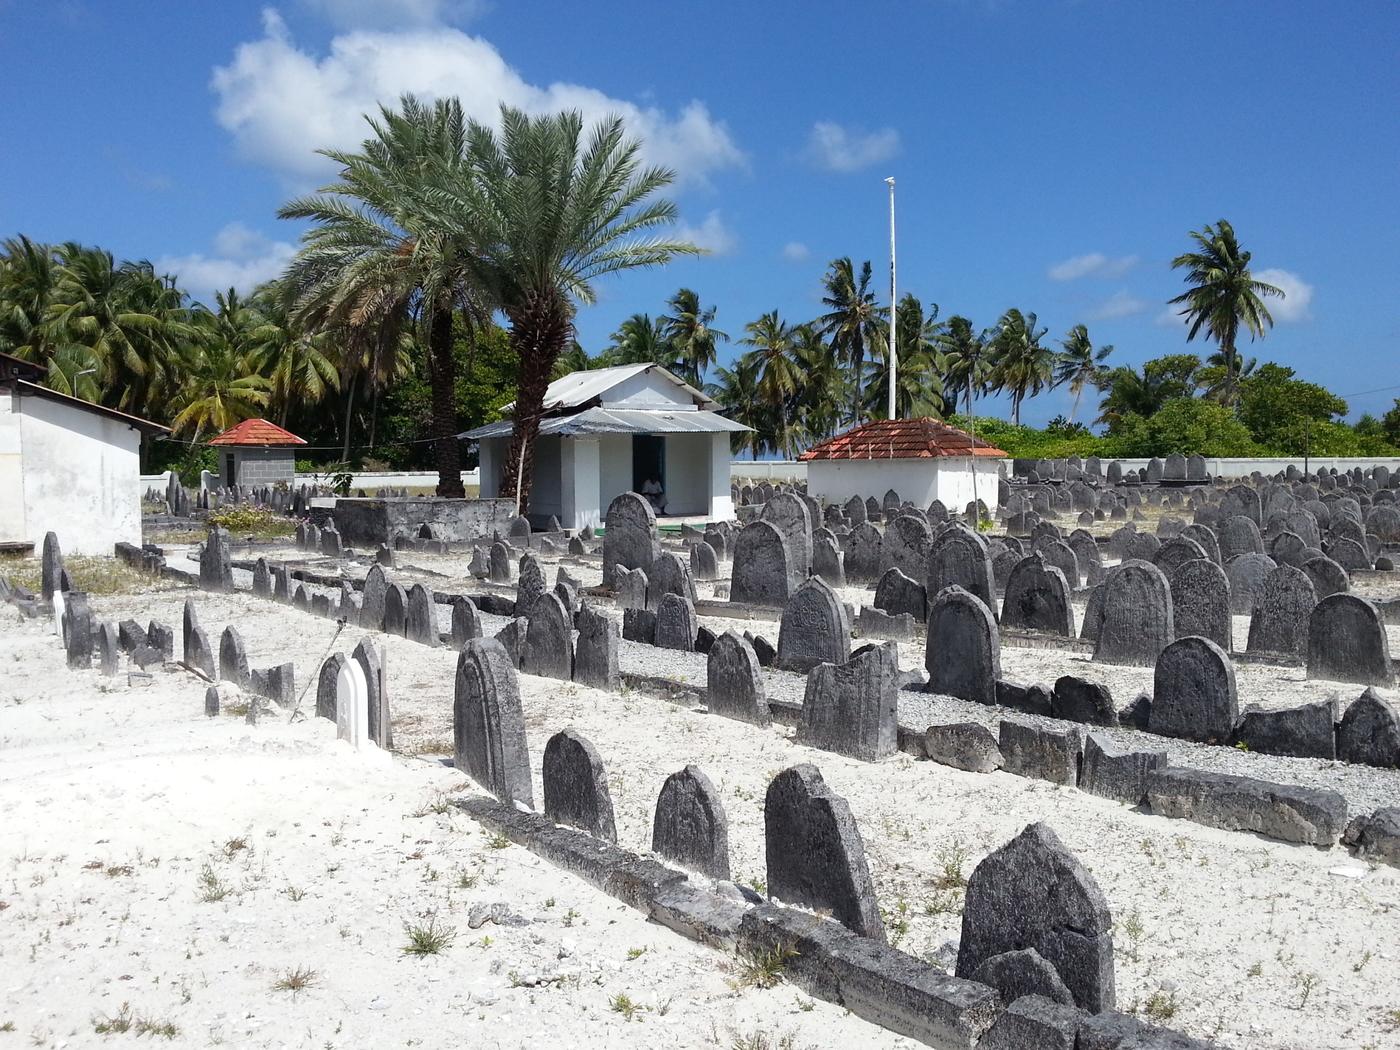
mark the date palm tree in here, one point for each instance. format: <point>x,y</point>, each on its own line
<point>551,212</point>
<point>1078,364</point>
<point>379,252</point>
<point>1222,296</point>
<point>1021,365</point>
<point>690,329</point>
<point>854,323</point>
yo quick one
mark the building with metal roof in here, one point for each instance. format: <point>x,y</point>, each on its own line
<point>257,453</point>
<point>921,459</point>
<point>67,466</point>
<point>612,430</point>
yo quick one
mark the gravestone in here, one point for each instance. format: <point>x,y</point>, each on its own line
<point>792,517</point>
<point>865,554</point>
<point>466,623</point>
<point>1038,598</point>
<point>1193,692</point>
<point>395,610</point>
<point>51,567</point>
<point>77,628</point>
<point>668,575</point>
<point>1201,602</point>
<point>855,511</point>
<point>1135,615</point>
<point>233,659</point>
<point>1247,573</point>
<point>370,659</point>
<point>631,587</point>
<point>500,563</point>
<point>1279,622</point>
<point>576,786</point>
<point>629,537</point>
<point>161,638</point>
<point>676,623</point>
<point>1369,732</point>
<point>488,722</point>
<point>690,827</point>
<point>1034,893</point>
<point>959,557</point>
<point>262,579</point>
<point>963,649</point>
<point>906,546</point>
<point>814,852</point>
<point>734,686</point>
<point>826,561</point>
<point>326,682</point>
<point>549,647</point>
<point>704,563</point>
<point>850,707</point>
<point>1347,642</point>
<point>109,650</point>
<point>762,572</point>
<point>530,585</point>
<point>372,599</point>
<point>420,622</point>
<point>815,628</point>
<point>215,566</point>
<point>1177,552</point>
<point>595,657</point>
<point>896,593</point>
<point>1327,576</point>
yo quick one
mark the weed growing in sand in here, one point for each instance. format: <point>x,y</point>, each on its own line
<point>1391,1019</point>
<point>211,887</point>
<point>498,841</point>
<point>633,954</point>
<point>759,1040</point>
<point>765,969</point>
<point>123,1022</point>
<point>467,879</point>
<point>436,806</point>
<point>8,1026</point>
<point>298,980</point>
<point>1360,964</point>
<point>570,917</point>
<point>623,1004</point>
<point>1160,1005</point>
<point>943,902</point>
<point>1307,981</point>
<point>1255,970</point>
<point>233,847</point>
<point>294,893</point>
<point>1134,931</point>
<point>429,938</point>
<point>759,886</point>
<point>896,920</point>
<point>951,858</point>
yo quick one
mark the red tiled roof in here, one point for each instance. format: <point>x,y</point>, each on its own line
<point>257,432</point>
<point>901,439</point>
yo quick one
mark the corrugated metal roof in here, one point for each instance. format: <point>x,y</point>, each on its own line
<point>579,388</point>
<point>618,421</point>
<point>144,425</point>
<point>901,439</point>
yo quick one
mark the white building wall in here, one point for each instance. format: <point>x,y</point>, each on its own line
<point>721,504</point>
<point>614,467</point>
<point>648,390</point>
<point>11,471</point>
<point>920,481</point>
<point>82,477</point>
<point>579,473</point>
<point>491,453</point>
<point>546,489</point>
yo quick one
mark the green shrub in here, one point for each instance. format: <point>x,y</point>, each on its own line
<point>241,520</point>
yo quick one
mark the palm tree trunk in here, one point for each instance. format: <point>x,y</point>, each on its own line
<point>540,329</point>
<point>443,375</point>
<point>349,409</point>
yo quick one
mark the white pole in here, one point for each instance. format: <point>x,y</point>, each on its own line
<point>894,307</point>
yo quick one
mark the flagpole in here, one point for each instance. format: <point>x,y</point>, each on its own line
<point>894,307</point>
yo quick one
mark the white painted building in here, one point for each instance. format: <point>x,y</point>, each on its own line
<point>66,466</point>
<point>605,432</point>
<point>921,459</point>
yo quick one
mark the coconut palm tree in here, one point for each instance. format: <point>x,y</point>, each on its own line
<point>221,386</point>
<point>1020,364</point>
<point>550,213</point>
<point>774,359</point>
<point>301,364</point>
<point>1222,295</point>
<point>1078,364</point>
<point>690,329</point>
<point>854,323</point>
<point>383,252</point>
<point>963,355</point>
<point>919,377</point>
<point>28,277</point>
<point>821,396</point>
<point>736,389</point>
<point>640,340</point>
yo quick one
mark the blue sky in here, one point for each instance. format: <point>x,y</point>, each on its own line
<point>1050,154</point>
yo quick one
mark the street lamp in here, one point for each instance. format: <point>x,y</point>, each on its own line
<point>894,306</point>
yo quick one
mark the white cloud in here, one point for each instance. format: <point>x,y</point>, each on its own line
<point>712,235</point>
<point>795,251</point>
<point>1171,317</point>
<point>1095,264</point>
<point>1297,295</point>
<point>386,14</point>
<point>1120,304</point>
<point>281,103</point>
<point>241,258</point>
<point>836,148</point>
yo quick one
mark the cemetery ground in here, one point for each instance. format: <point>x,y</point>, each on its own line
<point>1224,935</point>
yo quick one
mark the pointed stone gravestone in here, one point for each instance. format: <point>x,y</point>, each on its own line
<point>109,651</point>
<point>815,628</point>
<point>530,584</point>
<point>489,723</point>
<point>734,685</point>
<point>352,706</point>
<point>850,707</point>
<point>371,658</point>
<point>51,567</point>
<point>372,600</point>
<point>690,827</point>
<point>897,593</point>
<point>233,659</point>
<point>814,852</point>
<point>262,579</point>
<point>327,685</point>
<point>500,563</point>
<point>395,610</point>
<point>576,786</point>
<point>549,647</point>
<point>420,623</point>
<point>466,623</point>
<point>215,566</point>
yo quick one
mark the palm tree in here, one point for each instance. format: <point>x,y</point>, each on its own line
<point>28,277</point>
<point>919,378</point>
<point>1142,393</point>
<point>690,329</point>
<point>1079,364</point>
<point>822,389</point>
<point>550,214</point>
<point>383,253</point>
<point>221,386</point>
<point>640,340</point>
<point>854,323</point>
<point>301,364</point>
<point>736,389</point>
<point>1222,295</point>
<point>964,360</point>
<point>1021,364</point>
<point>774,360</point>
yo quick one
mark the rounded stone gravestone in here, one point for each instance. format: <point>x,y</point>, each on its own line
<point>1347,642</point>
<point>850,707</point>
<point>896,593</point>
<point>815,628</point>
<point>595,655</point>
<point>734,686</point>
<point>1327,576</point>
<point>1135,621</point>
<point>629,537</point>
<point>762,572</point>
<point>488,723</point>
<point>576,786</point>
<point>326,685</point>
<point>1038,597</point>
<point>1201,602</point>
<point>906,545</point>
<point>1177,552</point>
<point>1369,732</point>
<point>1279,621</point>
<point>792,517</point>
<point>1247,574</point>
<point>690,827</point>
<point>958,557</point>
<point>1193,692</point>
<point>549,646</point>
<point>962,652</point>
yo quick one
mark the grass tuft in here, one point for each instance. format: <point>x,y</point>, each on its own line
<point>429,938</point>
<point>298,980</point>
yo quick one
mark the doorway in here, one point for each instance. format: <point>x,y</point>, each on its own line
<point>648,460</point>
<point>230,474</point>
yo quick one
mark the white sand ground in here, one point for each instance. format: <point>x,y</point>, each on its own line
<point>122,806</point>
<point>1257,943</point>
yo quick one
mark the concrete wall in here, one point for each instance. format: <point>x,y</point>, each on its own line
<point>766,469</point>
<point>614,467</point>
<point>257,467</point>
<point>581,492</point>
<point>366,523</point>
<point>12,526</point>
<point>920,481</point>
<point>648,390</point>
<point>721,504</point>
<point>1268,466</point>
<point>82,476</point>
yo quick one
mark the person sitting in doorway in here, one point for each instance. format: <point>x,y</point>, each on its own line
<point>655,494</point>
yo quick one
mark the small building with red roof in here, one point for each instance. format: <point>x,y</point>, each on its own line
<point>921,459</point>
<point>257,453</point>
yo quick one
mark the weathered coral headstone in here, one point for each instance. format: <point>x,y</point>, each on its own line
<point>814,852</point>
<point>50,567</point>
<point>420,623</point>
<point>1038,598</point>
<point>1279,620</point>
<point>370,657</point>
<point>850,707</point>
<point>815,628</point>
<point>549,646</point>
<point>1201,602</point>
<point>576,786</point>
<point>1193,694</point>
<point>762,572</point>
<point>1347,642</point>
<point>1033,893</point>
<point>1135,617</point>
<point>489,723</point>
<point>676,623</point>
<point>963,648</point>
<point>595,656</point>
<point>690,826</point>
<point>233,659</point>
<point>734,686</point>
<point>629,536</point>
<point>327,686</point>
<point>372,601</point>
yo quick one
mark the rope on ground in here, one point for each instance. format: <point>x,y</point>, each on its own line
<point>296,708</point>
